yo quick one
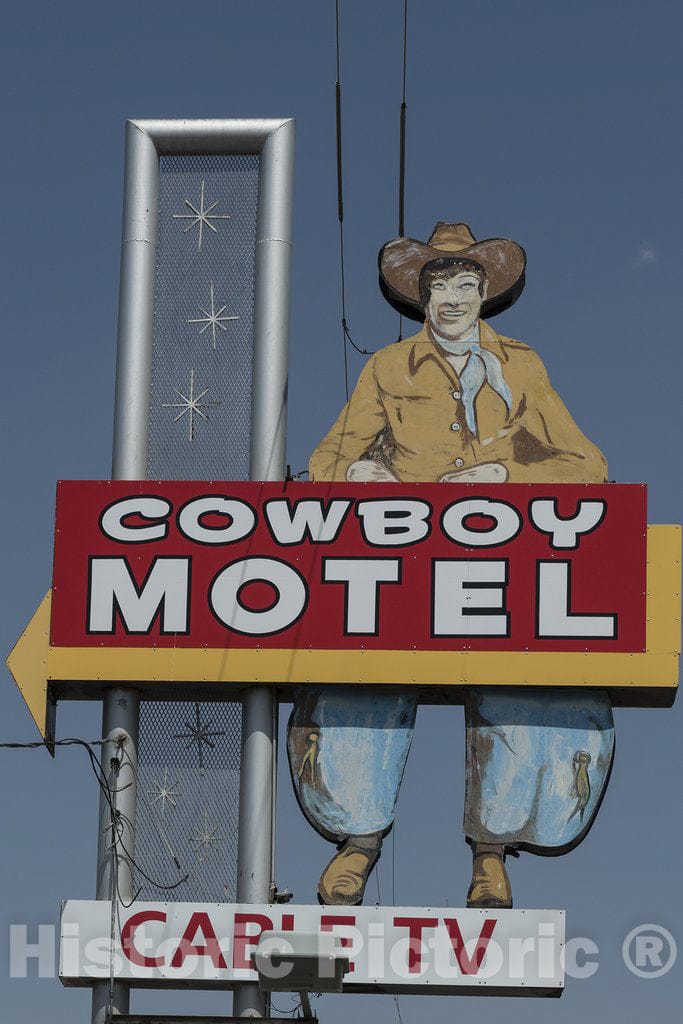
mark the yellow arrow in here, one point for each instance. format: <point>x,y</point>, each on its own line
<point>644,678</point>
<point>28,665</point>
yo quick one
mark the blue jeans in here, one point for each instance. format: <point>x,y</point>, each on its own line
<point>537,764</point>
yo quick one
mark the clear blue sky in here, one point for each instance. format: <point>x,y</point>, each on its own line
<point>554,124</point>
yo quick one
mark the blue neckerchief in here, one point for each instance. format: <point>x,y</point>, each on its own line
<point>482,366</point>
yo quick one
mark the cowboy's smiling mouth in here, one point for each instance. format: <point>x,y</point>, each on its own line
<point>451,314</point>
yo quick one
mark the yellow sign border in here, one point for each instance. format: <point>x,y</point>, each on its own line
<point>34,664</point>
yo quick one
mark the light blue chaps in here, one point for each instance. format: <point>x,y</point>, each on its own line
<point>537,761</point>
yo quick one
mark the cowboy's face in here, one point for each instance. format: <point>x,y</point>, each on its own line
<point>454,304</point>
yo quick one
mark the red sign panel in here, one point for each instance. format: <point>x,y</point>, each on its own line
<point>427,567</point>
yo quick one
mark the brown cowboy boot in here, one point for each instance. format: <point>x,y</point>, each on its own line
<point>490,886</point>
<point>343,881</point>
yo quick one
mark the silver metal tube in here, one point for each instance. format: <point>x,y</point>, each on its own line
<point>255,847</point>
<point>275,727</point>
<point>136,307</point>
<point>254,843</point>
<point>271,306</point>
<point>255,851</point>
<point>210,135</point>
<point>115,873</point>
<point>121,705</point>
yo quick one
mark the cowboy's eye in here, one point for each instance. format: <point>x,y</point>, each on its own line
<point>438,284</point>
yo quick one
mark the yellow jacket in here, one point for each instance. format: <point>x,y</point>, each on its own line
<point>406,411</point>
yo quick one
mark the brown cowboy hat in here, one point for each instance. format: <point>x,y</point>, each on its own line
<point>402,259</point>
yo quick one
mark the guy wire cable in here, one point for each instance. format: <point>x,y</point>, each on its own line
<point>113,882</point>
<point>402,132</point>
<point>402,149</point>
<point>109,793</point>
<point>393,896</point>
<point>346,334</point>
<point>340,200</point>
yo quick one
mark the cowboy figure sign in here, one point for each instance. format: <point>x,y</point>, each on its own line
<point>455,403</point>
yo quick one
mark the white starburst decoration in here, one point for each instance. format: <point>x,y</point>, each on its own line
<point>212,318</point>
<point>192,404</point>
<point>163,792</point>
<point>201,217</point>
<point>206,838</point>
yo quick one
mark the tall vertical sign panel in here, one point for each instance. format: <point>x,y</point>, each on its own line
<point>201,393</point>
<point>199,429</point>
<point>200,402</point>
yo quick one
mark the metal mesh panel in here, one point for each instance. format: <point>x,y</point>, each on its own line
<point>188,799</point>
<point>203,324</point>
<point>199,429</point>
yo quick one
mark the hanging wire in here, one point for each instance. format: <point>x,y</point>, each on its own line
<point>114,881</point>
<point>340,201</point>
<point>393,897</point>
<point>161,832</point>
<point>402,132</point>
<point>117,823</point>
<point>289,1013</point>
<point>35,744</point>
<point>117,818</point>
<point>402,149</point>
<point>346,334</point>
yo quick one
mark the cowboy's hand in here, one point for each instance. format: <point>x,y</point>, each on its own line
<point>369,471</point>
<point>486,473</point>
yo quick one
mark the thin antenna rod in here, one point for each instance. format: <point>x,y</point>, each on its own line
<point>340,203</point>
<point>402,149</point>
<point>402,137</point>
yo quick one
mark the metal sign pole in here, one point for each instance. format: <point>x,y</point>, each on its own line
<point>120,712</point>
<point>267,462</point>
<point>116,842</point>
